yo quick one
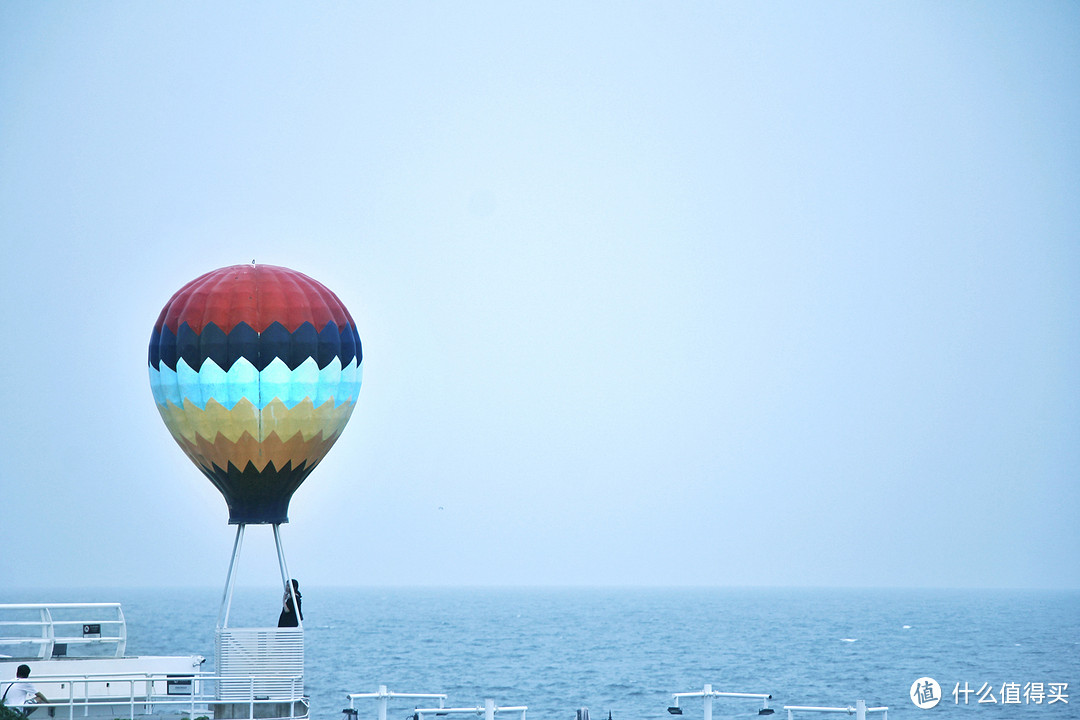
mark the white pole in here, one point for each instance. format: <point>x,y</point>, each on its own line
<point>708,702</point>
<point>234,564</point>
<point>382,697</point>
<point>489,709</point>
<point>860,710</point>
<point>285,574</point>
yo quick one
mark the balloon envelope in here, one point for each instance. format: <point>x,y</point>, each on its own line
<point>255,370</point>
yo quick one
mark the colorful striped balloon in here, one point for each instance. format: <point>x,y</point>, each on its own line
<point>255,370</point>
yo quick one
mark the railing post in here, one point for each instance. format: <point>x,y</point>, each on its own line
<point>48,633</point>
<point>383,701</point>
<point>860,710</point>
<point>707,695</point>
<point>121,644</point>
<point>489,709</point>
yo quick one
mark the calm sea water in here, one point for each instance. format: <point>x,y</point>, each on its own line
<point>624,651</point>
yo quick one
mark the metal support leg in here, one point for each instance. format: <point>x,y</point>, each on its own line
<point>285,577</point>
<point>230,581</point>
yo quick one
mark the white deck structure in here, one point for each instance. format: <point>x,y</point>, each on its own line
<point>76,655</point>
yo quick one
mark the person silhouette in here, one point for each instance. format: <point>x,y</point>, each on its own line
<point>23,695</point>
<point>289,615</point>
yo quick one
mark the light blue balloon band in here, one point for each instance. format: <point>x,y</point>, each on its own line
<point>341,384</point>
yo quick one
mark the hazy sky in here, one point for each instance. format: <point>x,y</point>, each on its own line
<point>650,293</point>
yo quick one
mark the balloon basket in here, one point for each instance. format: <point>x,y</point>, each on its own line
<point>264,665</point>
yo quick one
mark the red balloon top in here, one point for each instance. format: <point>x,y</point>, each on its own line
<point>254,294</point>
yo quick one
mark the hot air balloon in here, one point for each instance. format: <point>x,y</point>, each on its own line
<point>255,370</point>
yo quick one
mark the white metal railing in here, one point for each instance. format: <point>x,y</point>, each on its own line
<point>151,694</point>
<point>46,630</point>
<point>489,709</point>
<point>859,711</point>
<point>384,696</point>
<point>708,694</point>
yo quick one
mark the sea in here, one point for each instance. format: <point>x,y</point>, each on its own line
<point>623,652</point>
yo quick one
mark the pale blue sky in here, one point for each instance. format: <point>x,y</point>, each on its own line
<point>650,293</point>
